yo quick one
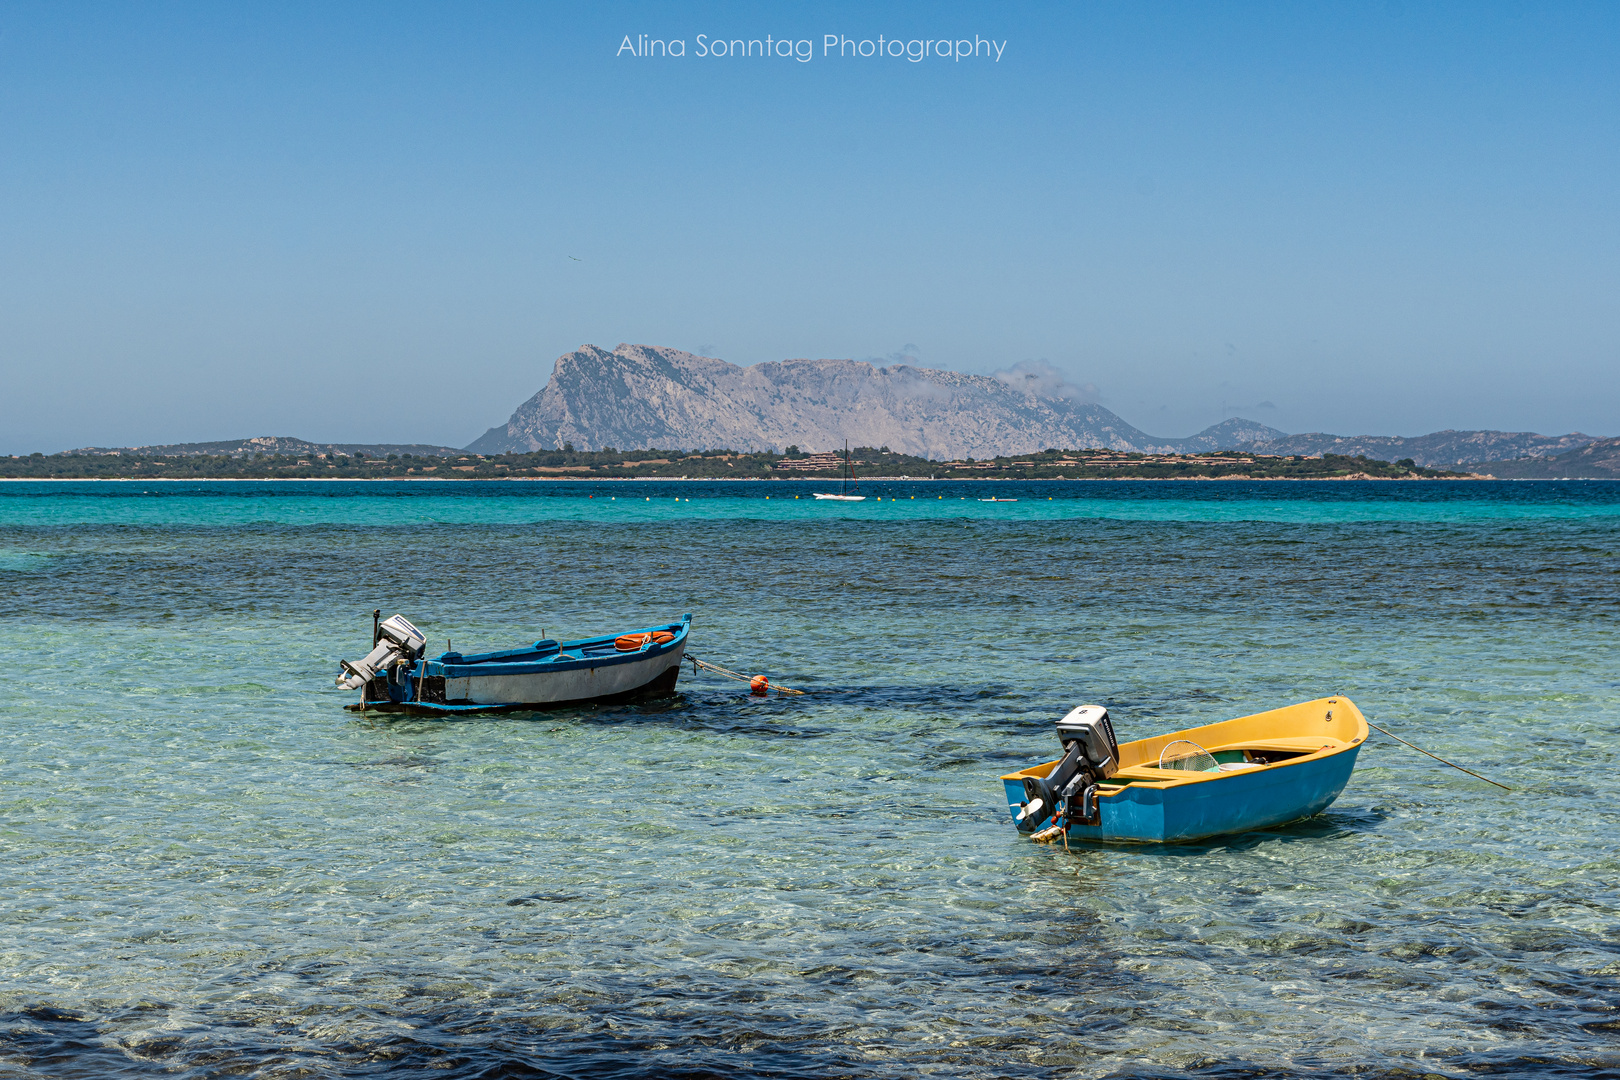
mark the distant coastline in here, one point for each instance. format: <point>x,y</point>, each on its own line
<point>734,480</point>
<point>570,464</point>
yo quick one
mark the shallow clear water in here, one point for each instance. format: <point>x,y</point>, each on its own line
<point>207,867</point>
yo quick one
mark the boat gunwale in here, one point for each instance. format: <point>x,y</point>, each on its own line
<point>459,669</point>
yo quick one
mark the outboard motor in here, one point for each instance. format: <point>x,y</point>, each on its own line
<point>397,639</point>
<point>1090,755</point>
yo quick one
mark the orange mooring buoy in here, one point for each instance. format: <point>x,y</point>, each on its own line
<point>759,684</point>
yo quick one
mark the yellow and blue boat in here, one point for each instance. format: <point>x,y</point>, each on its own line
<point>1254,772</point>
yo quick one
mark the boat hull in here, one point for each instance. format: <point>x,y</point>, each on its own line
<point>587,682</point>
<point>547,675</point>
<point>1320,756</point>
<point>1242,802</point>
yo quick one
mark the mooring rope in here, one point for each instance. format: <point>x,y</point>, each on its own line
<point>1438,758</point>
<point>738,676</point>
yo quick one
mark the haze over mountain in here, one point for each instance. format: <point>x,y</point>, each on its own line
<point>272,444</point>
<point>639,397</point>
<point>1440,449</point>
<point>1597,460</point>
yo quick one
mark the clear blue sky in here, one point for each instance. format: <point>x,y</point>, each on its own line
<point>355,222</point>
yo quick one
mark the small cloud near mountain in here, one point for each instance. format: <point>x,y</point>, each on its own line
<point>1039,378</point>
<point>906,354</point>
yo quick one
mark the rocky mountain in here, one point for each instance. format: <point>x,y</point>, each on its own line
<point>1597,460</point>
<point>639,397</point>
<point>1442,449</point>
<point>271,444</point>
<point>1226,435</point>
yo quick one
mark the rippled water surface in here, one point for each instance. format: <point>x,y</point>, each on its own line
<point>208,867</point>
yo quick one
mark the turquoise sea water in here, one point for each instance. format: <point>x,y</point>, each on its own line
<point>210,868</point>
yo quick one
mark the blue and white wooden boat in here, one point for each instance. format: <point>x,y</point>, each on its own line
<point>398,676</point>
<point>1254,772</point>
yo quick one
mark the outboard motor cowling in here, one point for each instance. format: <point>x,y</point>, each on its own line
<point>1090,755</point>
<point>397,639</point>
<point>1090,725</point>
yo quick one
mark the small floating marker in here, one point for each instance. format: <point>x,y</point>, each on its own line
<point>759,684</point>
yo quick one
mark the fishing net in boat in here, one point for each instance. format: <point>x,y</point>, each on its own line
<point>1185,755</point>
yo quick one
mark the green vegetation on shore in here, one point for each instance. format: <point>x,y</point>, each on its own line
<point>607,463</point>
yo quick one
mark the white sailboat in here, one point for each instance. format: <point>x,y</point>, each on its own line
<point>846,483</point>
